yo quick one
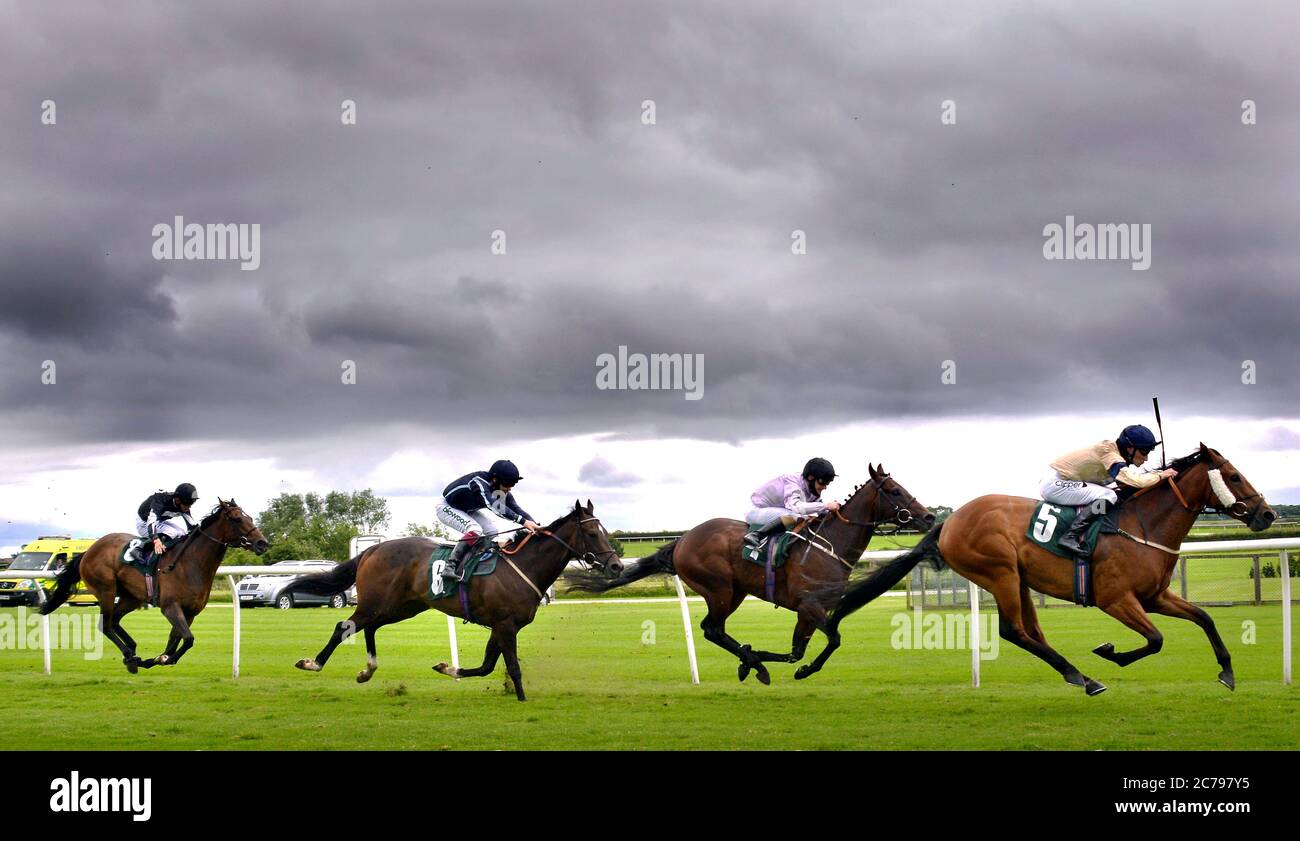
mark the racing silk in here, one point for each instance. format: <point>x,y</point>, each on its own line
<point>473,491</point>
<point>156,510</point>
<point>789,492</point>
<point>1101,463</point>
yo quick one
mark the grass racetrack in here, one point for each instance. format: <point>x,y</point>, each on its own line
<point>594,684</point>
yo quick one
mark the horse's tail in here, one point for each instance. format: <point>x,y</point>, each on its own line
<point>329,582</point>
<point>64,584</point>
<point>659,563</point>
<point>892,572</point>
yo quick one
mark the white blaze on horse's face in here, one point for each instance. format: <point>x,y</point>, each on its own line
<point>1220,487</point>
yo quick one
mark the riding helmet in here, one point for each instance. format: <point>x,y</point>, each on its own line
<point>504,471</point>
<point>186,493</point>
<point>819,468</point>
<point>1137,437</point>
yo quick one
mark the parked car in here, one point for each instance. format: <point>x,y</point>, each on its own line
<point>255,590</point>
<point>48,553</point>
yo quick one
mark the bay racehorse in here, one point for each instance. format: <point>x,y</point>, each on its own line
<point>985,541</point>
<point>708,559</point>
<point>392,581</point>
<point>185,574</point>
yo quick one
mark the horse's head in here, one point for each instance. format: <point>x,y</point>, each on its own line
<point>892,502</point>
<point>236,529</point>
<point>1230,492</point>
<point>592,541</point>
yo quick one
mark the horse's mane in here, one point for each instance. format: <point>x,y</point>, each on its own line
<point>1181,464</point>
<point>211,518</point>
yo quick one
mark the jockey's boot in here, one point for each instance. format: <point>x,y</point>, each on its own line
<point>1072,540</point>
<point>754,538</point>
<point>452,568</point>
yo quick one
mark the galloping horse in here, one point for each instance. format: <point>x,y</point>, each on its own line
<point>985,542</point>
<point>708,559</point>
<point>392,581</point>
<point>186,571</point>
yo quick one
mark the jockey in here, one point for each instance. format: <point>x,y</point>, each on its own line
<point>785,500</point>
<point>164,518</point>
<point>1079,478</point>
<point>466,502</point>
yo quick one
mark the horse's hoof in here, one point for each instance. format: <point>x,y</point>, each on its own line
<point>743,671</point>
<point>163,660</point>
<point>445,669</point>
<point>1106,651</point>
<point>1226,678</point>
<point>307,665</point>
<point>363,676</point>
<point>1093,687</point>
<point>132,664</point>
<point>762,675</point>
<point>802,672</point>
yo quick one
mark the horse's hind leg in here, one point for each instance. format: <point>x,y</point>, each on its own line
<point>1012,629</point>
<point>1169,604</point>
<point>490,657</point>
<point>372,656</point>
<point>714,626</point>
<point>1029,615</point>
<point>120,610</point>
<point>342,631</point>
<point>108,629</point>
<point>1128,611</point>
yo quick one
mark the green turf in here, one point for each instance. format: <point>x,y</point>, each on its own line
<point>594,684</point>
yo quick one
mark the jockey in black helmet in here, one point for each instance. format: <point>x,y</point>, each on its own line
<point>466,503</point>
<point>163,517</point>
<point>785,500</point>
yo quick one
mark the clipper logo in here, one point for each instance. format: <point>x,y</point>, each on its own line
<point>95,794</point>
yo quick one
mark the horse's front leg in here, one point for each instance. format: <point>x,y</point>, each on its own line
<point>180,632</point>
<point>815,613</point>
<point>490,656</point>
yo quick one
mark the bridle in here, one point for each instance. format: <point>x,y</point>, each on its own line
<point>1238,508</point>
<point>240,542</point>
<point>902,513</point>
<point>588,557</point>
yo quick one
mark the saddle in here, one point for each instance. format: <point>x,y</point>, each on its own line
<point>1049,522</point>
<point>138,553</point>
<point>480,560</point>
<point>772,553</point>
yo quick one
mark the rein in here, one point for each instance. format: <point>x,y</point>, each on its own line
<point>239,543</point>
<point>1182,500</point>
<point>581,556</point>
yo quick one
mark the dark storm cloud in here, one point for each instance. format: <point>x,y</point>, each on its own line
<point>74,291</point>
<point>925,241</point>
<point>602,473</point>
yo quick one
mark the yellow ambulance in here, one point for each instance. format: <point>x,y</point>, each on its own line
<point>48,553</point>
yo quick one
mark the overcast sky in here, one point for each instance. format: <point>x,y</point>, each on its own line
<point>924,244</point>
